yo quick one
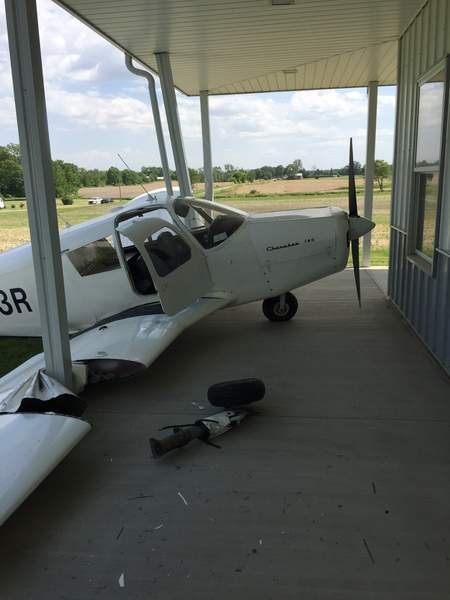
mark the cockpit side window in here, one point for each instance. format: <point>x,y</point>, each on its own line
<point>167,251</point>
<point>94,258</point>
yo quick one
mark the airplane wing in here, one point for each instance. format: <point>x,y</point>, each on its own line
<point>131,341</point>
<point>31,445</point>
<point>40,419</point>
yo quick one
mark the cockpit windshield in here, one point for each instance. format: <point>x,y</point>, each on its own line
<point>212,225</point>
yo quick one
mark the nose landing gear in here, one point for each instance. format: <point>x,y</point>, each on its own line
<point>280,308</point>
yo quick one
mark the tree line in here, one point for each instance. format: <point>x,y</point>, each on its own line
<point>69,178</point>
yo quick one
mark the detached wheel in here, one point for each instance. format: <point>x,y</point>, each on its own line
<point>277,309</point>
<point>232,394</point>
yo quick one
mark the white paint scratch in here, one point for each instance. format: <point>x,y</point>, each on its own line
<point>183,498</point>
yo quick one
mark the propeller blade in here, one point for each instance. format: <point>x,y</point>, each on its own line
<point>355,258</point>
<point>353,212</point>
<point>352,204</point>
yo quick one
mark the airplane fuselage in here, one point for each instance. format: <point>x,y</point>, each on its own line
<point>267,255</point>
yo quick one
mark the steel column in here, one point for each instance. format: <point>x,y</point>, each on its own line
<point>206,139</point>
<point>24,47</point>
<point>173,122</point>
<point>372,95</point>
<point>156,118</point>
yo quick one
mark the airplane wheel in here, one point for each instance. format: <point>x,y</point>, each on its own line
<point>274,309</point>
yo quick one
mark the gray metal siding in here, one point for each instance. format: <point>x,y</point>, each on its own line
<point>423,299</point>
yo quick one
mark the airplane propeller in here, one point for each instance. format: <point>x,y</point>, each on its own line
<point>358,226</point>
<point>353,213</point>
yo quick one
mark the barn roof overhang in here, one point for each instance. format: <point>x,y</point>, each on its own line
<point>244,46</point>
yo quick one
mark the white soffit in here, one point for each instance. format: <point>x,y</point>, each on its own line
<point>238,46</point>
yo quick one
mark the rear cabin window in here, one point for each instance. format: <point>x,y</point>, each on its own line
<point>94,258</point>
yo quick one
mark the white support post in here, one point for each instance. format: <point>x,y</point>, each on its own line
<point>173,122</point>
<point>372,92</point>
<point>206,138</point>
<point>23,34</point>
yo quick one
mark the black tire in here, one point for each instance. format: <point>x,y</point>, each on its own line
<point>272,309</point>
<point>231,394</point>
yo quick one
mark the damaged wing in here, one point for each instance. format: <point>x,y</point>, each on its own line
<point>40,419</point>
<point>39,426</point>
<point>125,344</point>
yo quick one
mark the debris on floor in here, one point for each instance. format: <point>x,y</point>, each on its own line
<point>369,552</point>
<point>183,498</point>
<point>231,396</point>
<point>196,404</point>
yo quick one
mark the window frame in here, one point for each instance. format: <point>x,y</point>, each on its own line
<point>424,261</point>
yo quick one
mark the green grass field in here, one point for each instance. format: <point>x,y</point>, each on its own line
<point>14,231</point>
<point>15,350</point>
<point>14,221</point>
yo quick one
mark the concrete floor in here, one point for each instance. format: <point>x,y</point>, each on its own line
<point>338,489</point>
<point>380,277</point>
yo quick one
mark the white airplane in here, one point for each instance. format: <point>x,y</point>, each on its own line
<point>134,280</point>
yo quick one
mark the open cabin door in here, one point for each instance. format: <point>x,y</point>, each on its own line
<point>177,265</point>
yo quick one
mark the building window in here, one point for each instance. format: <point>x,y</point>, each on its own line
<point>427,166</point>
<point>427,201</point>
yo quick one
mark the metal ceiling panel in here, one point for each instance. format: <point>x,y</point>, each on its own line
<point>242,46</point>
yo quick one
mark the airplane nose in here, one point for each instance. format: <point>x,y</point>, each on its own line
<point>359,226</point>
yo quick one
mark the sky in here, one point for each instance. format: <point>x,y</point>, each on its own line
<point>97,109</point>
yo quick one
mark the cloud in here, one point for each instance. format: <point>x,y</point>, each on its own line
<point>7,112</point>
<point>71,52</point>
<point>96,111</point>
<point>254,117</point>
<point>68,67</point>
<point>317,114</point>
<point>314,125</point>
<point>341,104</point>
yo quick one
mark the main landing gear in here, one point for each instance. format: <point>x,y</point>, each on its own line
<point>280,308</point>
